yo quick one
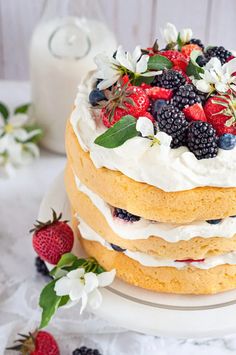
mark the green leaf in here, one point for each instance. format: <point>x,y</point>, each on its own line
<point>193,69</point>
<point>143,79</point>
<point>179,42</point>
<point>4,110</point>
<point>118,134</point>
<point>66,260</point>
<point>22,109</point>
<point>38,136</point>
<point>159,62</point>
<point>49,302</point>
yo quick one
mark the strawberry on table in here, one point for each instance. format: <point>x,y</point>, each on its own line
<point>37,343</point>
<point>52,239</point>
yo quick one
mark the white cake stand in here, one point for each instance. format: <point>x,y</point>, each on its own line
<point>149,312</point>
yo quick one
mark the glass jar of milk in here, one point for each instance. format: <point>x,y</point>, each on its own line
<point>62,49</point>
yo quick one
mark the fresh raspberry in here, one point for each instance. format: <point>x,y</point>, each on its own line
<point>177,58</point>
<point>195,112</point>
<point>52,239</point>
<point>218,115</point>
<point>188,48</point>
<point>145,86</point>
<point>156,92</point>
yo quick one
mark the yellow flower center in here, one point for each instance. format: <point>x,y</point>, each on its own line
<point>8,128</point>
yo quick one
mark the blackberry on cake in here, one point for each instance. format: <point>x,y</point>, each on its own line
<point>169,79</point>
<point>173,122</point>
<point>202,140</point>
<point>219,52</point>
<point>201,60</point>
<point>125,215</point>
<point>197,42</point>
<point>185,96</point>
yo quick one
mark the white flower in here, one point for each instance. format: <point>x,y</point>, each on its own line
<point>14,127</point>
<point>79,285</point>
<point>186,35</point>
<point>111,69</point>
<point>217,76</point>
<point>145,126</point>
<point>170,33</point>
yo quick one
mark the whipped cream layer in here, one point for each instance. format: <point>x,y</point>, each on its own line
<point>167,169</point>
<point>151,261</point>
<point>144,228</point>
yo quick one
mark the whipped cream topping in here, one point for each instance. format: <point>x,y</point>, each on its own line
<point>151,261</point>
<point>167,169</point>
<point>144,228</point>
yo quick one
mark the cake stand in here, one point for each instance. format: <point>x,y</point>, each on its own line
<point>150,312</point>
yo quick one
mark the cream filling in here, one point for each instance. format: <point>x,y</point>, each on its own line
<point>167,169</point>
<point>151,261</point>
<point>144,228</point>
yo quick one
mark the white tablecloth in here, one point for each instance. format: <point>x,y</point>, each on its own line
<point>20,285</point>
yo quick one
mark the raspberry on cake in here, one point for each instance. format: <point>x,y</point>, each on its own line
<point>151,172</point>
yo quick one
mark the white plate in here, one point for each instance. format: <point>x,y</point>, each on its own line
<point>150,312</point>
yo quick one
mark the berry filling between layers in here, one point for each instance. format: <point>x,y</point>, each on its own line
<point>134,227</point>
<point>150,261</point>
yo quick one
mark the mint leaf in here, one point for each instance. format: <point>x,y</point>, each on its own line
<point>22,109</point>
<point>159,62</point>
<point>4,110</point>
<point>118,134</point>
<point>49,302</point>
<point>193,69</point>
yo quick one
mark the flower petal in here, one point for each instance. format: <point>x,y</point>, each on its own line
<point>203,86</point>
<point>145,127</point>
<point>136,54</point>
<point>63,286</point>
<point>106,278</point>
<point>91,282</point>
<point>231,66</point>
<point>18,120</point>
<point>124,60</point>
<point>142,64</point>
<point>77,289</point>
<point>76,274</point>
<point>95,299</point>
<point>84,302</point>
<point>106,83</point>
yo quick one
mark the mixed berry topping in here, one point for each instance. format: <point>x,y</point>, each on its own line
<point>185,89</point>
<point>125,215</point>
<point>173,122</point>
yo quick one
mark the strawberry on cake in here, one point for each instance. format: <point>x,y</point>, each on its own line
<point>151,173</point>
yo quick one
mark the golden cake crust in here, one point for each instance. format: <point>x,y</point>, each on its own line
<point>164,279</point>
<point>195,248</point>
<point>148,201</point>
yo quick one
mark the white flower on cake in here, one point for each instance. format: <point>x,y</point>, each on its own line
<point>145,127</point>
<point>111,69</point>
<point>81,286</point>
<point>16,147</point>
<point>217,77</point>
<point>186,35</point>
<point>170,33</point>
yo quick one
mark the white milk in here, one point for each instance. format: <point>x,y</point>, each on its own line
<point>61,53</point>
